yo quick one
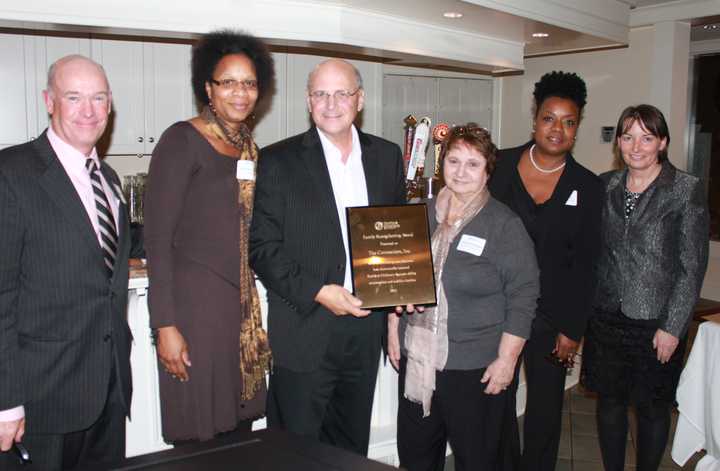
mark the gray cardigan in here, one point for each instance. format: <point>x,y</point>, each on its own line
<point>653,265</point>
<point>488,294</point>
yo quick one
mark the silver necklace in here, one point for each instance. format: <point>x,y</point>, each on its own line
<point>537,167</point>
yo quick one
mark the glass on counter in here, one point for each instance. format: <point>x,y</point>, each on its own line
<point>134,189</point>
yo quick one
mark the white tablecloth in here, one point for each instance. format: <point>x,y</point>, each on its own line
<point>698,398</point>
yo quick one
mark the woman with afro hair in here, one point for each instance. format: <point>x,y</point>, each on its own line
<point>559,202</point>
<point>204,308</point>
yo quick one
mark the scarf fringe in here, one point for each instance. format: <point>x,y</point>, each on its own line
<point>426,336</point>
<point>255,354</point>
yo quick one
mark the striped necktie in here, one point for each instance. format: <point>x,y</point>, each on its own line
<point>108,233</point>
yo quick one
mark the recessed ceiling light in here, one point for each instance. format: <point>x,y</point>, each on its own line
<point>453,15</point>
<point>540,35</point>
<point>712,27</point>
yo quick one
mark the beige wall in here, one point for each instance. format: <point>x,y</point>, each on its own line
<point>615,79</point>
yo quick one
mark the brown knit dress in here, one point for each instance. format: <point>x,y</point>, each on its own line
<point>192,221</point>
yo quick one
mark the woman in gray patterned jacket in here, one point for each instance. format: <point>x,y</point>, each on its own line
<point>653,258</point>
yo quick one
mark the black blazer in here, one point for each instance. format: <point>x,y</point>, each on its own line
<point>652,265</point>
<point>296,243</point>
<point>63,324</point>
<point>567,243</point>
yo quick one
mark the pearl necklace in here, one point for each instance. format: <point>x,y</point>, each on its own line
<point>538,168</point>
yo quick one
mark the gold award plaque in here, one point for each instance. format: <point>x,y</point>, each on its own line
<point>390,255</point>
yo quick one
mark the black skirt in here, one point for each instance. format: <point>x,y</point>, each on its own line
<point>619,360</point>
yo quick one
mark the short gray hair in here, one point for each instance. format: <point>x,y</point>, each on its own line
<point>52,70</point>
<point>358,77</point>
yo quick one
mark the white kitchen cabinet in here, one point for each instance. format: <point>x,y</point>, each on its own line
<point>272,122</point>
<point>123,64</point>
<point>167,88</point>
<point>25,60</point>
<point>150,82</point>
<point>17,125</point>
<point>454,101</point>
<point>151,90</point>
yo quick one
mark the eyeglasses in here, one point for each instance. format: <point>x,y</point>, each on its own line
<point>232,84</point>
<point>472,129</point>
<point>339,95</point>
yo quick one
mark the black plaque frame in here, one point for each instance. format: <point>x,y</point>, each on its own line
<point>390,255</point>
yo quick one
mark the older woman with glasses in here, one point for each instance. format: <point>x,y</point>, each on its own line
<point>457,359</point>
<point>203,303</point>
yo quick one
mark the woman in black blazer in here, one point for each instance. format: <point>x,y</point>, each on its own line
<point>559,202</point>
<point>653,257</point>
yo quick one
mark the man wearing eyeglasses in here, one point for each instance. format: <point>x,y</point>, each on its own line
<point>325,347</point>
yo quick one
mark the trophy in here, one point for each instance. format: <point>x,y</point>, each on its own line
<point>439,134</point>
<point>415,182</point>
<point>410,123</point>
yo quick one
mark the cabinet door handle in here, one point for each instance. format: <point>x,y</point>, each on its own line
<point>140,139</point>
<point>151,140</point>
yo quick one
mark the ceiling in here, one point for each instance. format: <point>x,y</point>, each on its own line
<point>491,37</point>
<point>644,3</point>
<point>478,19</point>
<point>485,21</point>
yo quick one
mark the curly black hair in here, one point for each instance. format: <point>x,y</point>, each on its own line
<point>561,85</point>
<point>212,47</point>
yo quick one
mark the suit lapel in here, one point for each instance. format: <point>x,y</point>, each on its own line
<point>616,193</point>
<point>652,204</point>
<point>373,182</point>
<point>558,199</point>
<point>314,159</point>
<point>61,191</point>
<point>123,245</point>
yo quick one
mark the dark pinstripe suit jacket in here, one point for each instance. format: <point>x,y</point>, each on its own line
<point>296,244</point>
<point>62,322</point>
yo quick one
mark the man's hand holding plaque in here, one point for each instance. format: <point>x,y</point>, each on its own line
<point>390,256</point>
<point>340,301</point>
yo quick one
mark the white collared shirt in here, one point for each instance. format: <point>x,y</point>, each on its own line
<point>348,184</point>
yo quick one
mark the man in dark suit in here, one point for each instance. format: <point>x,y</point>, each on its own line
<point>65,382</point>
<point>325,347</point>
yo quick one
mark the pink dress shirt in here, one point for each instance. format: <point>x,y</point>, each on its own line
<point>73,161</point>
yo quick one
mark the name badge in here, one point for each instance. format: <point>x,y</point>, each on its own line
<point>572,200</point>
<point>245,170</point>
<point>471,244</point>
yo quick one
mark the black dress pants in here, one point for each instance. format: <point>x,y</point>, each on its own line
<point>334,402</point>
<point>461,414</point>
<point>93,448</point>
<point>545,391</point>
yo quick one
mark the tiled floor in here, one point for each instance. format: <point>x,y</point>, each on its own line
<point>579,447</point>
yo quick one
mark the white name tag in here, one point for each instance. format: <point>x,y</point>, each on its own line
<point>572,200</point>
<point>471,244</point>
<point>245,170</point>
